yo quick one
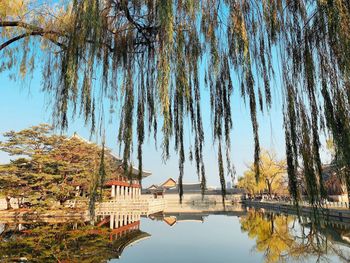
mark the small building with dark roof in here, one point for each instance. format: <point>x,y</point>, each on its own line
<point>189,188</point>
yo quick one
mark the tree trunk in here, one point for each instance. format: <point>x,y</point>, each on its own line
<point>8,199</point>
<point>272,224</point>
<point>269,186</point>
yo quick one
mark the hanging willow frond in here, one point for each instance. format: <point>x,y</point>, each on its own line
<point>151,58</point>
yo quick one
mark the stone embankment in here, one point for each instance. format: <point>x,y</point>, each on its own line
<point>78,210</point>
<point>197,198</point>
<point>326,212</point>
<point>57,216</point>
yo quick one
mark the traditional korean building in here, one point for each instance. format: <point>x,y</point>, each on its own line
<point>126,187</point>
<point>170,183</point>
<point>335,186</point>
<point>170,186</point>
<point>152,187</point>
<point>121,186</point>
<point>172,219</point>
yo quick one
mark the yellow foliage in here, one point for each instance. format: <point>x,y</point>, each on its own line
<point>271,233</point>
<point>279,238</point>
<point>61,19</point>
<point>13,8</point>
<point>248,182</point>
<point>272,176</point>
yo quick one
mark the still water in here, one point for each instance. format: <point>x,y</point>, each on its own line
<point>235,236</point>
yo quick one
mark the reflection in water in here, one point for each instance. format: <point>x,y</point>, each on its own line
<point>270,236</point>
<point>282,237</point>
<point>56,241</point>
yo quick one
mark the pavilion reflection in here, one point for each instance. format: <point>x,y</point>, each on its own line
<point>172,219</point>
<point>63,240</point>
<point>122,224</point>
<point>196,212</point>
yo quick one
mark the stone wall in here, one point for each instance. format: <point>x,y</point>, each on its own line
<point>339,198</point>
<point>197,197</point>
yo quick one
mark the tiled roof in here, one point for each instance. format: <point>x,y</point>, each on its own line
<point>121,183</point>
<point>187,188</point>
<point>135,171</point>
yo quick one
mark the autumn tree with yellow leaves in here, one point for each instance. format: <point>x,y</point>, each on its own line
<point>273,176</point>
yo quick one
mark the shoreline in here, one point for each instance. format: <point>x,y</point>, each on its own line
<point>325,213</point>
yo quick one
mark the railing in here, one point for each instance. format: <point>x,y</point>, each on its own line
<point>155,206</point>
<point>326,204</point>
<point>143,205</point>
<point>336,204</point>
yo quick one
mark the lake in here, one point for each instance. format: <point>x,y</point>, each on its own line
<point>184,236</point>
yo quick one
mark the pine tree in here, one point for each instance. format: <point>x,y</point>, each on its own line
<point>50,167</point>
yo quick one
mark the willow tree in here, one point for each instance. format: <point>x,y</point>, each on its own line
<point>152,58</point>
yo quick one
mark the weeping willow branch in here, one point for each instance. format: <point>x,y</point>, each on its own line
<point>155,57</point>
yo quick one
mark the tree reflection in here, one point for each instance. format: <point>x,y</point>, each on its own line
<point>283,237</point>
<point>70,242</point>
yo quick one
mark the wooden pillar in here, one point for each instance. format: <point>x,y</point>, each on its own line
<point>122,192</point>
<point>113,191</point>
<point>120,220</point>
<point>118,192</point>
<point>116,224</point>
<point>111,222</point>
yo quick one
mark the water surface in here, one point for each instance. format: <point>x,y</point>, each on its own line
<point>240,236</point>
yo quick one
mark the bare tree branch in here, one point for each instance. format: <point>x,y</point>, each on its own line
<point>33,33</point>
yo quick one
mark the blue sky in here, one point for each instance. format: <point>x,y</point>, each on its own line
<point>22,104</point>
